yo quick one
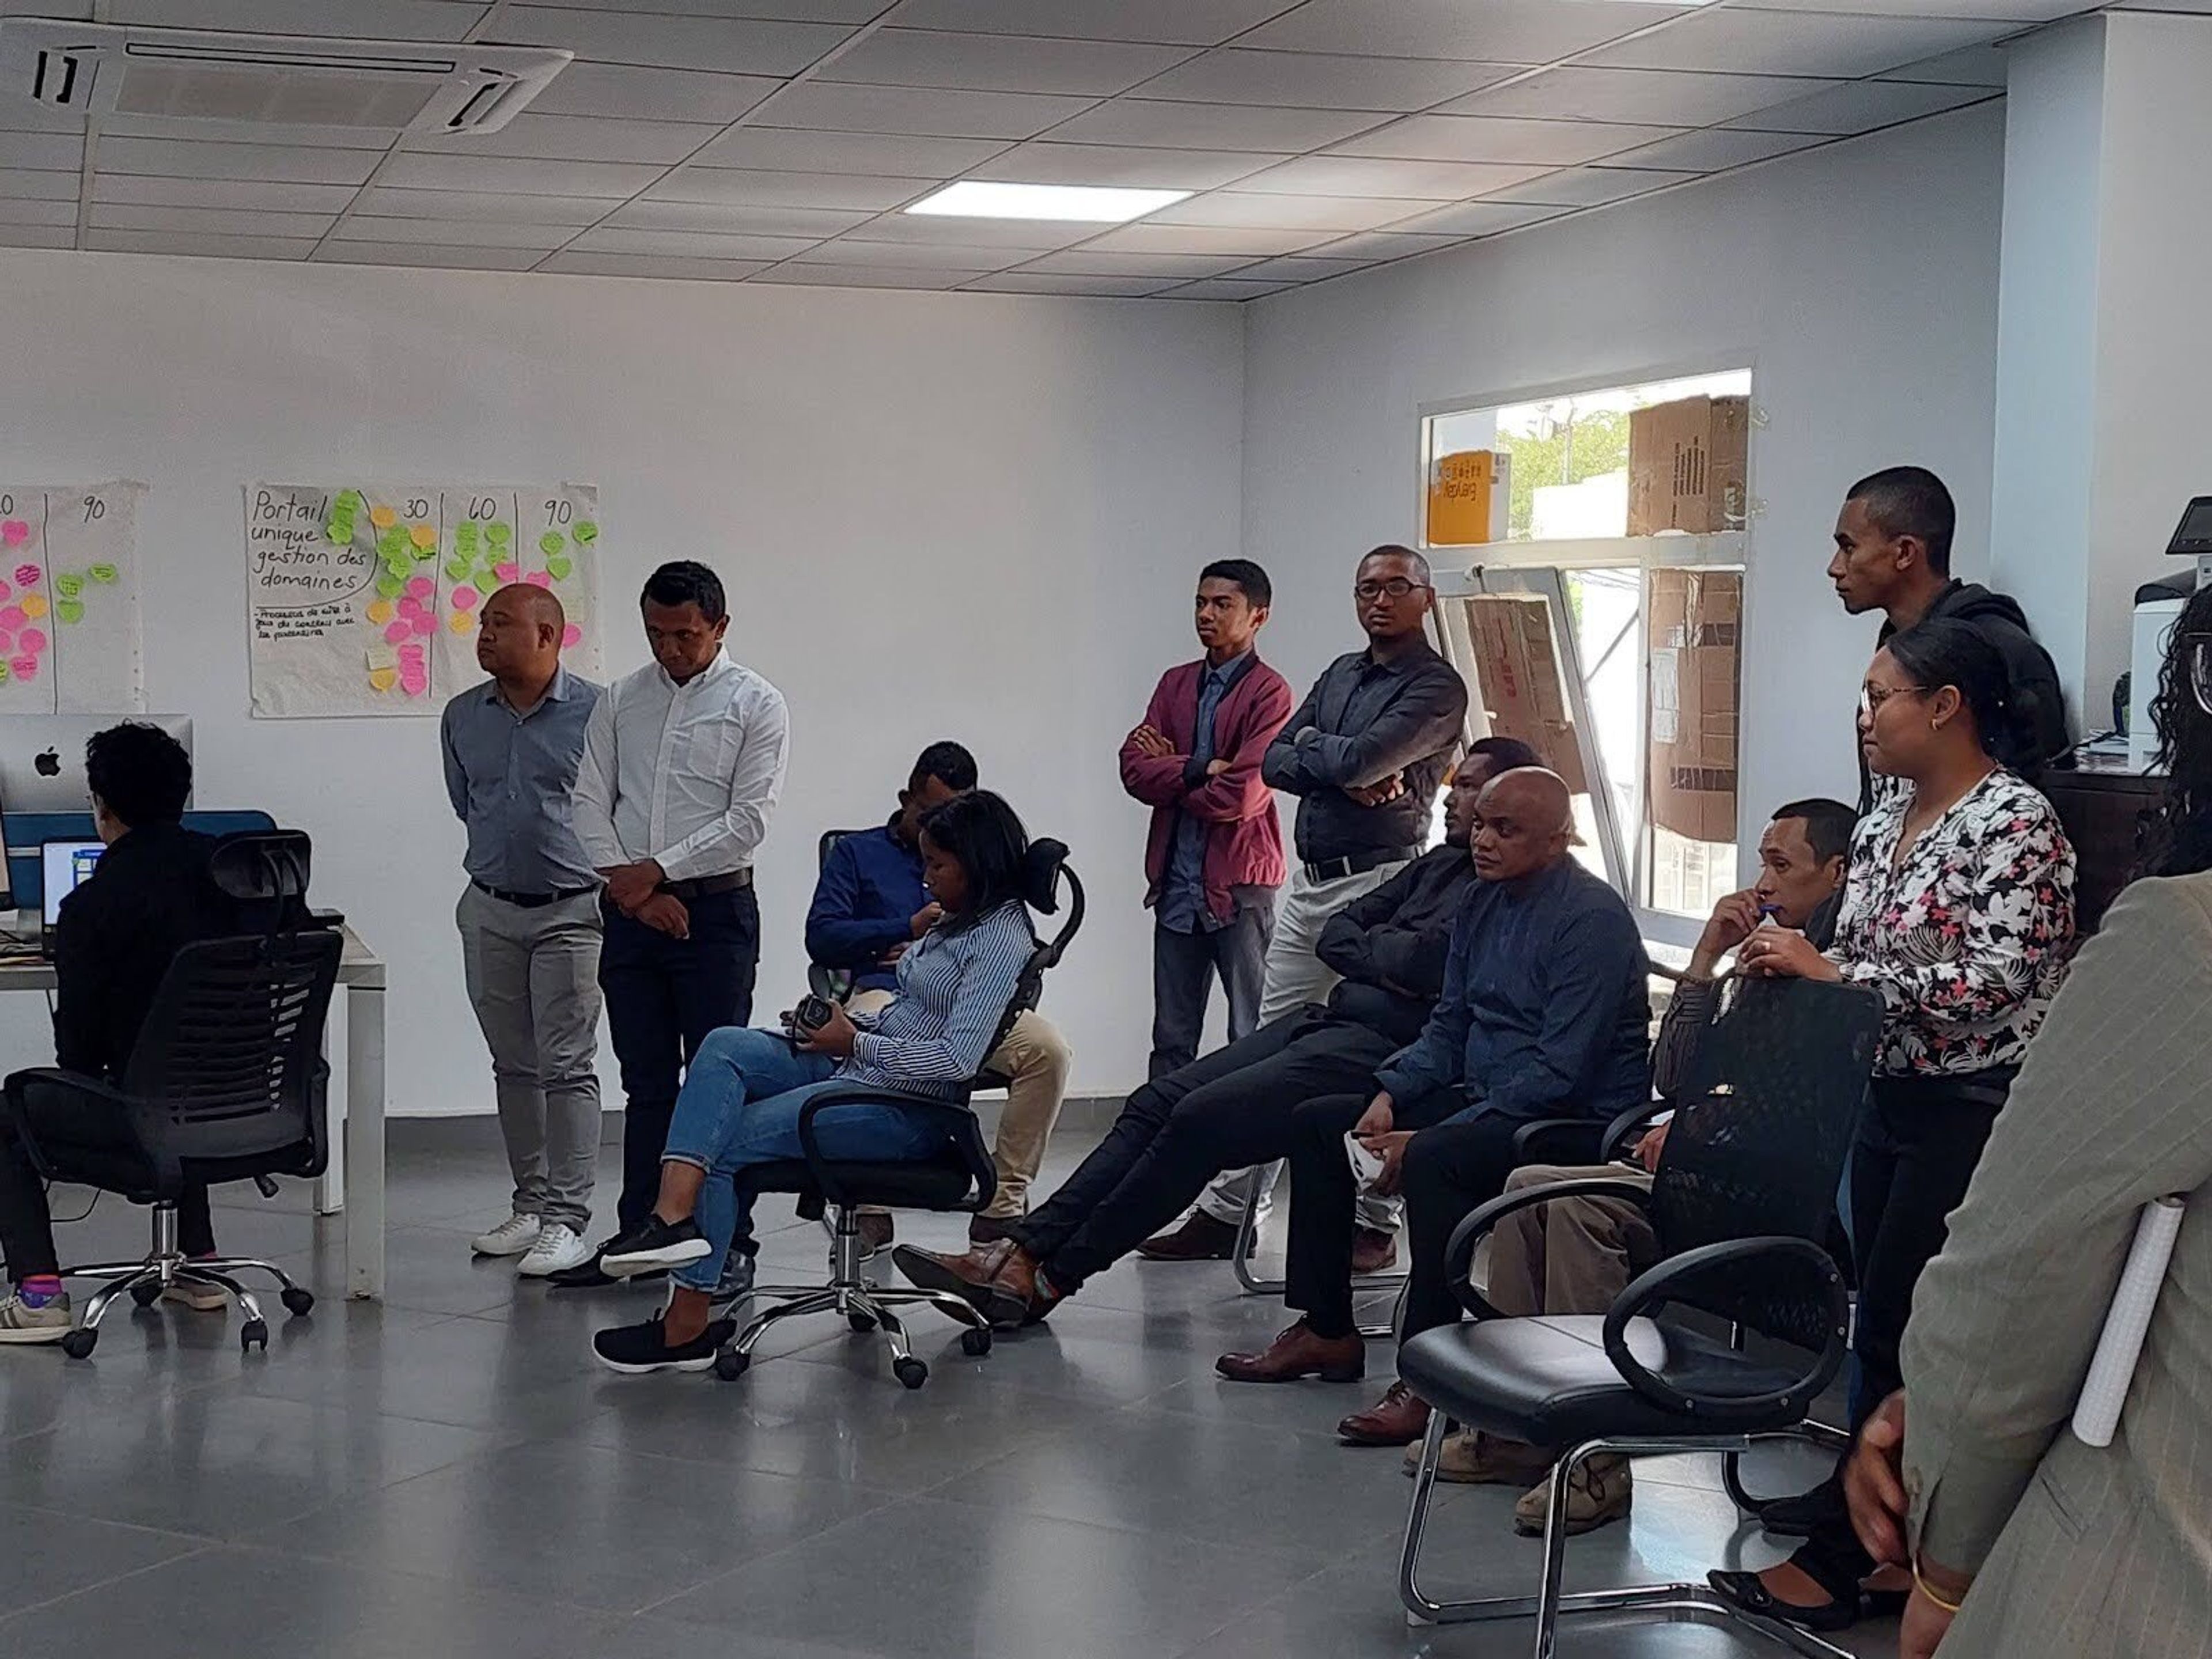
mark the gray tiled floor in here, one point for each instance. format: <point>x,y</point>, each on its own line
<point>449,1475</point>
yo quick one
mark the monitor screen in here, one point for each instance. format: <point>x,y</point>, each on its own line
<point>2197,522</point>
<point>68,863</point>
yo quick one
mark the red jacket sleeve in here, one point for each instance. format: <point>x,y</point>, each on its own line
<point>1157,781</point>
<point>1240,792</point>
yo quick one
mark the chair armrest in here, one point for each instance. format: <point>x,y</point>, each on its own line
<point>955,1115</point>
<point>1559,1140</point>
<point>1624,1132</point>
<point>1459,1253</point>
<point>1675,1277</point>
<point>73,1088</point>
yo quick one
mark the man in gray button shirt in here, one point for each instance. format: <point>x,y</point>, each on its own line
<point>530,919</point>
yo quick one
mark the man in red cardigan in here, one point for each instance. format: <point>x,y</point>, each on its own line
<point>1214,857</point>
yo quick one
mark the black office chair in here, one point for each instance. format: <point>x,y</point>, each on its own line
<point>226,1083</point>
<point>1739,1204</point>
<point>961,1178</point>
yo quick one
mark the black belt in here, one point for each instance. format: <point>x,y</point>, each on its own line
<point>1358,863</point>
<point>530,901</point>
<point>702,886</point>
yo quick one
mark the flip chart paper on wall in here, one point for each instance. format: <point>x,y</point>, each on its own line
<point>356,592</point>
<point>69,586</point>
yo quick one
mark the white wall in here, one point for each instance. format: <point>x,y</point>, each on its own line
<point>1859,282</point>
<point>938,515</point>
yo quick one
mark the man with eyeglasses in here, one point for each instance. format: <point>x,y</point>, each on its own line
<point>1366,753</point>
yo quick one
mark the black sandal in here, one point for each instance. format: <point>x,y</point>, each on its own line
<point>1844,1607</point>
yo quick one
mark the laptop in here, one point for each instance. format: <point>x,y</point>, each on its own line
<point>42,757</point>
<point>66,865</point>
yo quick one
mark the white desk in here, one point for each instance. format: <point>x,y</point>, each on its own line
<point>354,1184</point>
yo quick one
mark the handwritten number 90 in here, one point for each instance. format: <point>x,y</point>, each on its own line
<point>558,511</point>
<point>95,508</point>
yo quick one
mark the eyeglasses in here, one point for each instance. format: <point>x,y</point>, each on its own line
<point>1871,697</point>
<point>1397,587</point>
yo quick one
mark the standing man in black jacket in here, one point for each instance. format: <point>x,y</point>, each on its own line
<point>1893,555</point>
<point>150,896</point>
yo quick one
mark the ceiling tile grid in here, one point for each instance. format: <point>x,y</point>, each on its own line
<point>780,141</point>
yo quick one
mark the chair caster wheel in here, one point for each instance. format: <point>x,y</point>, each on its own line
<point>861,1323</point>
<point>144,1295</point>
<point>253,1334</point>
<point>975,1344</point>
<point>298,1302</point>
<point>730,1364</point>
<point>911,1372</point>
<point>78,1344</point>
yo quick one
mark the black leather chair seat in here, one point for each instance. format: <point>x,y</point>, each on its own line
<point>1548,1382</point>
<point>937,1184</point>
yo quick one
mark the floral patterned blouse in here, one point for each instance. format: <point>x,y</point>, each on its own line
<point>1967,938</point>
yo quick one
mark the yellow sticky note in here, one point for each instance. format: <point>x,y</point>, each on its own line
<point>380,611</point>
<point>382,517</point>
<point>34,605</point>
<point>462,622</point>
<point>383,679</point>
<point>423,536</point>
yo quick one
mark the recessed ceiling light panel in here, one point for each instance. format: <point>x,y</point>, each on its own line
<point>974,198</point>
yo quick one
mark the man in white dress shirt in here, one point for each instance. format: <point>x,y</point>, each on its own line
<point>683,763</point>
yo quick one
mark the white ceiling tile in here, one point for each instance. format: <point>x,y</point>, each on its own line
<point>651,94</point>
<point>1176,22</point>
<point>384,201</point>
<point>857,276</point>
<point>1301,270</point>
<point>1977,66</point>
<point>427,256</point>
<point>212,221</point>
<point>696,244</point>
<point>1096,262</point>
<point>209,247</point>
<point>1862,106</point>
<point>1793,43</point>
<point>1127,168</point>
<point>21,114</point>
<point>929,112</point>
<point>1040,281</point>
<point>1253,244</point>
<point>1479,219</point>
<point>1379,244</point>
<point>1301,80</point>
<point>1680,98</point>
<point>577,138</point>
<point>12,236</point>
<point>1715,149</point>
<point>167,129</point>
<point>641,265</point>
<point>851,191</point>
<point>1000,62</point>
<point>734,220</point>
<point>219,193</point>
<point>959,231</point>
<point>1590,186</point>
<point>362,20</point>
<point>1164,123</point>
<point>520,174</point>
<point>37,186</point>
<point>1232,208</point>
<point>171,159</point>
<point>701,43</point>
<point>887,156</point>
<point>1506,138</point>
<point>1501,30</point>
<point>14,212</point>
<point>1361,175</point>
<point>799,11</point>
<point>1224,288</point>
<point>455,232</point>
<point>901,255</point>
<point>56,150</point>
<point>1996,11</point>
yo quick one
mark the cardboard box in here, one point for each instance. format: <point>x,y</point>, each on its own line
<point>1470,492</point>
<point>1687,464</point>
<point>1516,673</point>
<point>1695,630</point>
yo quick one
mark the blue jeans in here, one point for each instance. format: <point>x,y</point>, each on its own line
<point>739,1106</point>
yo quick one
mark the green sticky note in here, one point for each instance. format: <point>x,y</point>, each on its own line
<point>103,572</point>
<point>551,542</point>
<point>68,584</point>
<point>339,531</point>
<point>349,498</point>
<point>69,610</point>
<point>456,570</point>
<point>3,673</point>
<point>560,569</point>
<point>464,535</point>
<point>586,532</point>
<point>390,585</point>
<point>500,533</point>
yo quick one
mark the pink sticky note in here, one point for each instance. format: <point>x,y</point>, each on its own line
<point>12,617</point>
<point>397,632</point>
<point>7,643</point>
<point>421,621</point>
<point>410,655</point>
<point>24,668</point>
<point>414,684</point>
<point>5,591</point>
<point>465,598</point>
<point>539,578</point>
<point>508,573</point>
<point>421,588</point>
<point>32,640</point>
<point>572,635</point>
<point>27,576</point>
<point>15,532</point>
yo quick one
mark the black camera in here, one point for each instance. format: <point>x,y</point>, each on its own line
<point>811,1014</point>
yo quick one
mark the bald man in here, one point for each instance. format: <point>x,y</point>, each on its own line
<point>1543,1015</point>
<point>530,921</point>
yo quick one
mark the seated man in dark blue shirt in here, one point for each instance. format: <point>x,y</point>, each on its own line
<point>1543,1015</point>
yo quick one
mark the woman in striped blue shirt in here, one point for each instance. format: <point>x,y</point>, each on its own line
<point>742,1096</point>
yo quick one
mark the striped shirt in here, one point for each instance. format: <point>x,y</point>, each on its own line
<point>953,989</point>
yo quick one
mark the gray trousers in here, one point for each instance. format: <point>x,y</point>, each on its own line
<point>533,978</point>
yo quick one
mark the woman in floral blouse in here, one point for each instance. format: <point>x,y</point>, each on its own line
<point>1959,910</point>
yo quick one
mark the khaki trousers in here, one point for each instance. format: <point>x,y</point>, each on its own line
<point>1569,1255</point>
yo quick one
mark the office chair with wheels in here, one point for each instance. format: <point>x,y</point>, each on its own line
<point>226,1082</point>
<point>1750,1167</point>
<point>961,1178</point>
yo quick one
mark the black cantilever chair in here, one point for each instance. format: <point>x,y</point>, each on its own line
<point>1739,1205</point>
<point>961,1178</point>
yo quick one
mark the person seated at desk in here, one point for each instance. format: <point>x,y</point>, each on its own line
<point>740,1103</point>
<point>870,906</point>
<point>150,896</point>
<point>1575,1255</point>
<point>1544,1013</point>
<point>1233,1106</point>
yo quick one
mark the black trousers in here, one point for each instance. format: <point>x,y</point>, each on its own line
<point>1178,1132</point>
<point>1184,966</point>
<point>27,1227</point>
<point>664,996</point>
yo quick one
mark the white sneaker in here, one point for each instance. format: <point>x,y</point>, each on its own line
<point>512,1237</point>
<point>21,1323</point>
<point>559,1247</point>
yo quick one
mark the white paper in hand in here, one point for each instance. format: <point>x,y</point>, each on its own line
<point>2097,1413</point>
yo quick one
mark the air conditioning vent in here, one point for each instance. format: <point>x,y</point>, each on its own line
<point>183,79</point>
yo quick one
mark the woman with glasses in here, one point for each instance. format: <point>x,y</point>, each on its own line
<point>1959,909</point>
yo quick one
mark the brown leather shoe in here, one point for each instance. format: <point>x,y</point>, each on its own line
<point>1201,1238</point>
<point>1398,1418</point>
<point>1373,1251</point>
<point>1299,1351</point>
<point>968,1275</point>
